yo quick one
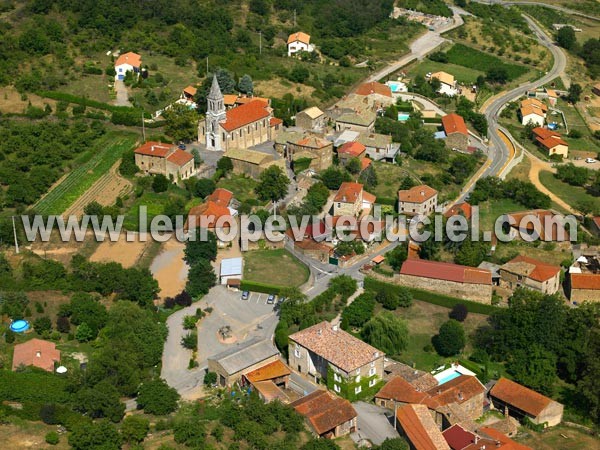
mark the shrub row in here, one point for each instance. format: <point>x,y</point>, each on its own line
<point>387,201</point>
<point>260,287</point>
<point>70,98</point>
<point>432,120</point>
<point>432,297</point>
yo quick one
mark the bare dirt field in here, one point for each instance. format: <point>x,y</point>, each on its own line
<point>277,88</point>
<point>169,269</point>
<point>104,191</point>
<point>125,253</point>
<point>11,102</point>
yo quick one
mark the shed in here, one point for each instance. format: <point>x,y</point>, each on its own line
<point>231,268</point>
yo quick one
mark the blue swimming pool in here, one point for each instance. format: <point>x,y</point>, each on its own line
<point>448,377</point>
<point>19,326</point>
<point>396,86</point>
<point>403,117</point>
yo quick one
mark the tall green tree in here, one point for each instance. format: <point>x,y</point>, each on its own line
<point>245,86</point>
<point>535,367</point>
<point>386,332</point>
<point>273,184</point>
<point>201,278</point>
<point>566,38</point>
<point>200,250</point>
<point>181,123</point>
<point>157,397</point>
<point>450,339</point>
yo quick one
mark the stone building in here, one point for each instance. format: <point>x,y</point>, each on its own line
<point>518,401</point>
<point>349,199</point>
<point>312,119</point>
<point>418,200</point>
<point>157,158</point>
<point>327,415</point>
<point>457,135</point>
<point>584,287</point>
<point>414,423</point>
<point>468,283</point>
<point>363,122</point>
<point>248,162</point>
<point>251,123</point>
<point>523,271</point>
<point>379,146</point>
<point>325,352</point>
<point>318,150</point>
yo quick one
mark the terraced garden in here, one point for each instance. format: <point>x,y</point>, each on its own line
<point>97,161</point>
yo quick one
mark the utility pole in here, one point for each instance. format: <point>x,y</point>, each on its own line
<point>260,42</point>
<point>143,128</point>
<point>15,234</point>
<point>207,66</point>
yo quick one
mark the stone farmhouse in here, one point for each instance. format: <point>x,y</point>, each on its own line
<point>352,200</point>
<point>523,271</point>
<point>166,159</point>
<point>326,353</point>
<point>519,401</point>
<point>299,42</point>
<point>584,287</point>
<point>379,146</point>
<point>248,162</point>
<point>417,201</point>
<point>312,119</point>
<point>457,135</point>
<point>327,415</point>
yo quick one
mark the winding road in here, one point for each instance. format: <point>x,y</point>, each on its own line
<point>545,5</point>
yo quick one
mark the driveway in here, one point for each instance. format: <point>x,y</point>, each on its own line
<point>122,94</point>
<point>373,423</point>
<point>247,319</point>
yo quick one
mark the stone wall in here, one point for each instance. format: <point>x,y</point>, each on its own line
<point>151,164</point>
<point>552,414</point>
<point>585,295</point>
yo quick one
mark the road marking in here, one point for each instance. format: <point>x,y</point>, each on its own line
<point>511,149</point>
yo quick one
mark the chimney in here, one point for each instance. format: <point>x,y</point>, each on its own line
<point>376,355</point>
<point>319,332</point>
<point>38,354</point>
<point>422,192</point>
<point>152,148</point>
<point>476,439</point>
<point>334,328</point>
<point>460,395</point>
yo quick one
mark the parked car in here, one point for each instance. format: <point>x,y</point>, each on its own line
<point>181,146</point>
<point>590,160</point>
<point>271,299</point>
<point>245,295</point>
<point>280,300</point>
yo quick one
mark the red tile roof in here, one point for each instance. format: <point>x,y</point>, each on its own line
<point>460,209</point>
<point>596,221</point>
<point>152,148</point>
<point>180,158</point>
<point>458,390</point>
<point>270,371</point>
<point>374,87</point>
<point>324,411</point>
<point>275,121</point>
<point>420,428</point>
<point>190,90</point>
<point>220,196</point>
<point>368,197</point>
<point>36,352</point>
<point>537,270</point>
<point>517,395</point>
<point>589,281</point>
<point>229,99</point>
<point>313,142</point>
<point>348,192</point>
<point>453,123</point>
<point>542,215</point>
<point>402,391</point>
<point>211,212</point>
<point>446,271</point>
<point>417,194</point>
<point>506,443</point>
<point>130,58</point>
<point>300,37</point>
<point>457,437</point>
<point>352,149</point>
<point>244,115</point>
<point>364,163</point>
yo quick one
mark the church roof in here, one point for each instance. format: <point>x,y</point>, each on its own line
<point>215,90</point>
<point>245,115</point>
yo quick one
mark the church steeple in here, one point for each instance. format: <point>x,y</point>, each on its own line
<point>215,114</point>
<point>215,90</point>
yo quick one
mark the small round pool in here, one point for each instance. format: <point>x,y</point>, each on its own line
<point>19,326</point>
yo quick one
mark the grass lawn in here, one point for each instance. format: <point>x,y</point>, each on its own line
<point>576,122</point>
<point>520,171</point>
<point>241,186</point>
<point>559,437</point>
<point>466,56</point>
<point>547,251</point>
<point>278,267</point>
<point>388,177</point>
<point>462,74</point>
<point>95,163</point>
<point>154,203</point>
<point>489,211</point>
<point>424,320</point>
<point>573,195</point>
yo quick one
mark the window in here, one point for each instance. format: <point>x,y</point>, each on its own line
<point>358,371</point>
<point>297,351</point>
<point>357,379</point>
<point>337,377</point>
<point>372,363</point>
<point>372,383</point>
<point>357,389</point>
<point>372,371</point>
<point>336,388</point>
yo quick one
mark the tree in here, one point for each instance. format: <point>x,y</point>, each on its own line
<point>101,400</point>
<point>204,187</point>
<point>386,332</point>
<point>88,435</point>
<point>566,38</point>
<point>224,165</point>
<point>407,183</point>
<point>200,279</point>
<point>52,438</point>
<point>320,444</point>
<point>394,443</point>
<point>472,253</point>
<point>574,94</point>
<point>459,312</point>
<point>13,304</point>
<point>273,184</point>
<point>497,75</point>
<point>181,122</point>
<point>93,209</point>
<point>197,157</point>
<point>42,325</point>
<point>134,429</point>
<point>245,86</point>
<point>197,250</point>
<point>210,378</point>
<point>535,367</point>
<point>450,339</point>
<point>157,397</point>
<point>299,74</point>
<point>353,165</point>
<point>83,308</point>
<point>84,333</point>
<point>333,177</point>
<point>160,183</point>
<point>357,313</point>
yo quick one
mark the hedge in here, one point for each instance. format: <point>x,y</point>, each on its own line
<point>432,297</point>
<point>387,201</point>
<point>432,120</point>
<point>260,287</point>
<point>70,98</point>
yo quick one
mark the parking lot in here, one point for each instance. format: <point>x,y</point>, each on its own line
<point>258,298</point>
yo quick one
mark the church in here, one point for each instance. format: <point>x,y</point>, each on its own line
<point>242,127</point>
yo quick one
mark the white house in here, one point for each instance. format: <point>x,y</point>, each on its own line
<point>127,62</point>
<point>532,110</point>
<point>231,269</point>
<point>299,42</point>
<point>447,83</point>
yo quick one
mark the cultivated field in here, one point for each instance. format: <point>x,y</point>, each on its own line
<point>95,163</point>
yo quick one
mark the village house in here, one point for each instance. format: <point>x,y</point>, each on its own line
<point>299,42</point>
<point>241,127</point>
<point>523,271</point>
<point>189,93</point>
<point>447,83</point>
<point>379,146</point>
<point>127,62</point>
<point>309,246</point>
<point>584,287</point>
<point>327,415</point>
<point>380,95</point>
<point>36,352</point>
<point>542,224</point>
<point>352,200</point>
<point>310,146</point>
<point>418,427</point>
<point>235,362</point>
<point>458,438</point>
<point>215,214</point>
<point>468,283</point>
<point>351,150</point>
<point>551,142</point>
<point>518,401</point>
<point>457,135</point>
<point>552,96</point>
<point>346,364</point>
<point>166,159</point>
<point>363,122</point>
<point>460,209</point>
<point>312,119</point>
<point>532,111</point>
<point>417,201</point>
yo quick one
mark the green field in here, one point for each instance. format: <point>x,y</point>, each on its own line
<point>576,122</point>
<point>462,74</point>
<point>474,59</point>
<point>95,163</point>
<point>489,211</point>
<point>573,195</point>
<point>275,267</point>
<point>241,186</point>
